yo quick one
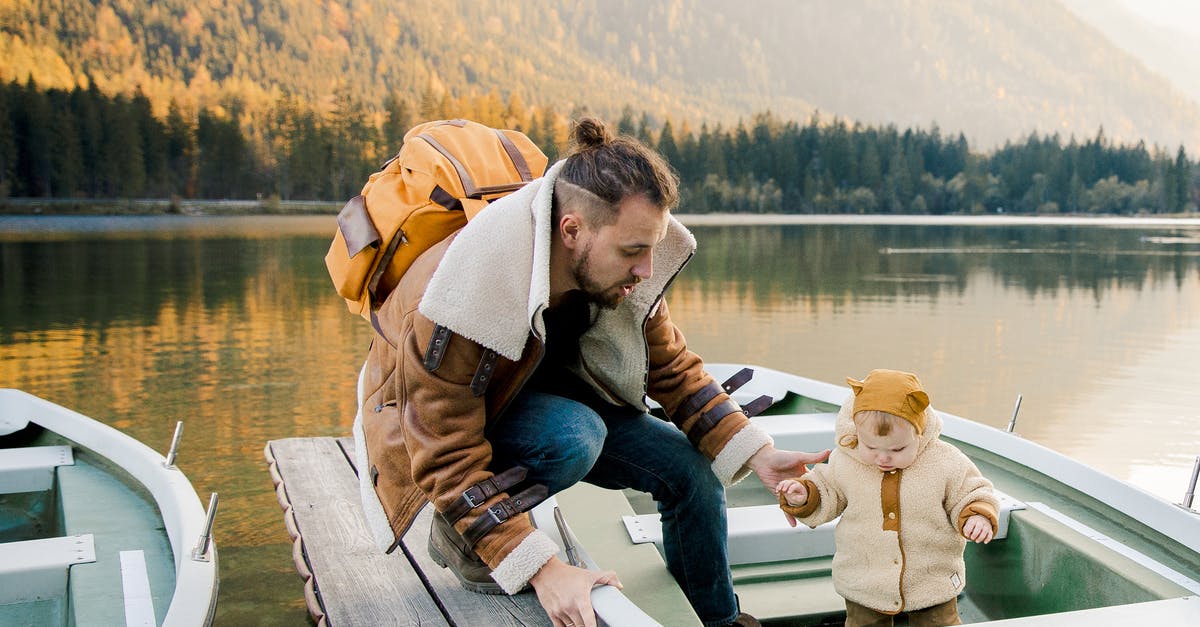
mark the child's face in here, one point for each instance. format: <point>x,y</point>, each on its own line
<point>895,451</point>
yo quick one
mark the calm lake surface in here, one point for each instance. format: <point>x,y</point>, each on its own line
<point>231,325</point>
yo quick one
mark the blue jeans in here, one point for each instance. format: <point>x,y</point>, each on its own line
<point>563,441</point>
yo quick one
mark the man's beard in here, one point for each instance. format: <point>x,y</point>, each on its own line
<point>606,297</point>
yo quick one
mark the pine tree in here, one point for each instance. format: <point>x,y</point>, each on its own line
<point>66,153</point>
<point>666,145</point>
<point>180,153</point>
<point>1179,196</point>
<point>8,144</point>
<point>398,119</point>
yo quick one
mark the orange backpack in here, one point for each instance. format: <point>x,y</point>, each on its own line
<point>445,173</point>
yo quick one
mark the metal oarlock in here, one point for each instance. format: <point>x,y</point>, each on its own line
<point>568,542</point>
<point>1012,423</point>
<point>1191,491</point>
<point>170,461</point>
<point>200,553</point>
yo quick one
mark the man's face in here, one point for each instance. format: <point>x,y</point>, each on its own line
<point>610,260</point>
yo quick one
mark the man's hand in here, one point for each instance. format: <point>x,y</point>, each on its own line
<point>773,465</point>
<point>565,592</point>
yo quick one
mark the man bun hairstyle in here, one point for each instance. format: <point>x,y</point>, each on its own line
<point>612,167</point>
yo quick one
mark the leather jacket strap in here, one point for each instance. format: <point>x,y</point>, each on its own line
<point>502,511</point>
<point>698,400</point>
<point>479,493</point>
<point>709,419</point>
<point>705,394</point>
<point>437,347</point>
<point>757,406</point>
<point>739,378</point>
<point>483,372</point>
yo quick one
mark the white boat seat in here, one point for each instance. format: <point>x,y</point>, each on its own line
<point>31,468</point>
<point>760,533</point>
<point>800,432</point>
<point>37,569</point>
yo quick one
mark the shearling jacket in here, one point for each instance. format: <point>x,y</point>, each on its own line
<point>899,541</point>
<point>424,412</point>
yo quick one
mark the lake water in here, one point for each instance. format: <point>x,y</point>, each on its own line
<point>231,325</point>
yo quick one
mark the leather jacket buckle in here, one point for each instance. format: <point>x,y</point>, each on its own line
<point>472,500</point>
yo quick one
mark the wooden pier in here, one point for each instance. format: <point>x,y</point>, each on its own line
<point>348,579</point>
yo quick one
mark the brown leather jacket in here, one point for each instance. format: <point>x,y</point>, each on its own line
<point>424,426</point>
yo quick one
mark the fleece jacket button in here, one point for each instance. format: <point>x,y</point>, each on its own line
<point>892,515</point>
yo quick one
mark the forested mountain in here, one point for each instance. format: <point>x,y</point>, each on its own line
<point>861,106</point>
<point>993,69</point>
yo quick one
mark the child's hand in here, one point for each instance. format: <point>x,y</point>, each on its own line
<point>793,492</point>
<point>978,529</point>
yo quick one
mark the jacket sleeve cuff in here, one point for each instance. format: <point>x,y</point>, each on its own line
<point>523,562</point>
<point>730,464</point>
<point>981,508</point>
<point>810,506</point>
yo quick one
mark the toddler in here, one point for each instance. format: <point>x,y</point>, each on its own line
<point>908,502</point>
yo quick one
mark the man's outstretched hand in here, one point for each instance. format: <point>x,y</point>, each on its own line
<point>773,465</point>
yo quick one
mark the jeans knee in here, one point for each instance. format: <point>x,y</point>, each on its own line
<point>557,439</point>
<point>699,489</point>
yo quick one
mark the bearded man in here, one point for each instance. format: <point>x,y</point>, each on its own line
<point>515,360</point>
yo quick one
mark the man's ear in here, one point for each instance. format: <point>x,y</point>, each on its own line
<point>569,229</point>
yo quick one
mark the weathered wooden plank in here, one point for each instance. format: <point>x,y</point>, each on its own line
<point>463,607</point>
<point>358,583</point>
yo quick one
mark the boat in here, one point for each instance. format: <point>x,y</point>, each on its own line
<point>1075,546</point>
<point>96,528</point>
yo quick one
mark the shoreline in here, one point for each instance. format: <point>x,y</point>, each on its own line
<point>74,207</point>
<point>163,206</point>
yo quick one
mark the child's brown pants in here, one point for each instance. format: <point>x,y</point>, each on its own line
<point>936,616</point>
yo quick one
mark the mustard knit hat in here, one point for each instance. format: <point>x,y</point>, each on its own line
<point>897,393</point>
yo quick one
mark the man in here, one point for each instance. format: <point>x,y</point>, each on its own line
<point>515,361</point>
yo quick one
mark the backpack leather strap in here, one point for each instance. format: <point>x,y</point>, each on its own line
<point>518,159</point>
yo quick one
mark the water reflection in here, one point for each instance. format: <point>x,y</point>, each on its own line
<point>231,326</point>
<point>1098,328</point>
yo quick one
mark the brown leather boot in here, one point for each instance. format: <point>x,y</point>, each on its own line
<point>447,550</point>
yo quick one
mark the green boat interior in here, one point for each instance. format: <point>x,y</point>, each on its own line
<point>74,533</point>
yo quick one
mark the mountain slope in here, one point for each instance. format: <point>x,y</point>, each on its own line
<point>994,69</point>
<point>1171,51</point>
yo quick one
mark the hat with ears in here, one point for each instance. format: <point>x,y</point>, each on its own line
<point>897,393</point>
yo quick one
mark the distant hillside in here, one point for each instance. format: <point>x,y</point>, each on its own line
<point>1170,51</point>
<point>995,69</point>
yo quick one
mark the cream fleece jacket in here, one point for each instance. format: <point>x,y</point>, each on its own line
<point>906,555</point>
